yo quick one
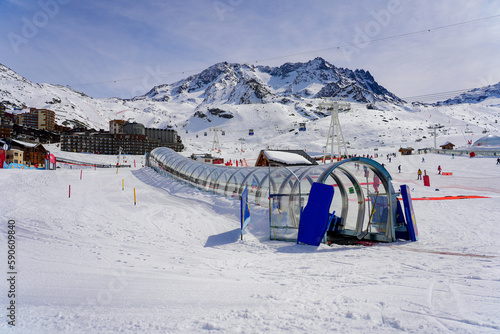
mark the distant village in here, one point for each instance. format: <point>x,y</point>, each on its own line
<point>23,133</point>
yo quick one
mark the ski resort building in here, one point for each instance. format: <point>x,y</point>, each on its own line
<point>38,118</point>
<point>284,158</point>
<point>29,154</point>
<point>447,146</point>
<point>406,150</point>
<point>364,199</point>
<point>132,138</point>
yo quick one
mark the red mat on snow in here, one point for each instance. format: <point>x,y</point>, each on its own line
<point>445,198</point>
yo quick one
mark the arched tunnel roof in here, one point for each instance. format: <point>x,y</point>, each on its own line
<point>363,187</point>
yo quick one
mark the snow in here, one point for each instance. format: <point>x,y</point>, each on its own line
<point>174,262</point>
<point>287,158</point>
<point>23,143</point>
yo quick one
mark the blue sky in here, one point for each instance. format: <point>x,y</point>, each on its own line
<point>123,48</point>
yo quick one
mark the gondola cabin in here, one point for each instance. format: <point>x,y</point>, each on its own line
<point>250,132</point>
<point>302,126</point>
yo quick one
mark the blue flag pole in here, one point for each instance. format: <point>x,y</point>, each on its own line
<point>244,211</point>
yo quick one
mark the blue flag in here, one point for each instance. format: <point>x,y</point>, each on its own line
<point>410,214</point>
<point>244,211</point>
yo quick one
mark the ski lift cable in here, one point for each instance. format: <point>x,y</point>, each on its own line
<point>338,47</point>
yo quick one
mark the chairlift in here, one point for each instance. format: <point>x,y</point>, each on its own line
<point>250,132</point>
<point>302,126</point>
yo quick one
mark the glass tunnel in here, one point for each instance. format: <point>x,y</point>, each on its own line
<point>364,199</point>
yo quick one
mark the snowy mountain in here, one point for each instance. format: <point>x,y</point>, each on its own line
<point>295,87</point>
<point>246,84</point>
<point>474,95</point>
<point>270,100</point>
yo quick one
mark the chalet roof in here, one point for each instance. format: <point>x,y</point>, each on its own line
<point>24,144</point>
<point>288,157</point>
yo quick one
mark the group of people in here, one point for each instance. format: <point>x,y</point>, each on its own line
<point>419,172</point>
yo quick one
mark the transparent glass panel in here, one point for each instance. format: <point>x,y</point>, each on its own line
<point>363,190</point>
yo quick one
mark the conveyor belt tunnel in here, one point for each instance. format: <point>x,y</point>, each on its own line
<point>363,191</point>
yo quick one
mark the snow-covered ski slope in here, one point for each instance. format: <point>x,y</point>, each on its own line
<point>174,263</point>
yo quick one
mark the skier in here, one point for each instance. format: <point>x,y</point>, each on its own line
<point>498,161</point>
<point>376,182</point>
<point>399,168</point>
<point>439,169</point>
<point>419,174</point>
<point>423,159</point>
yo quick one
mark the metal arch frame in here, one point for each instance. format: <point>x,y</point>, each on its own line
<point>221,190</point>
<point>285,181</point>
<point>345,201</point>
<point>303,176</point>
<point>237,187</point>
<point>391,195</point>
<point>211,179</point>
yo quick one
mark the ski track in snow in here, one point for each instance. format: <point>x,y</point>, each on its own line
<point>174,263</point>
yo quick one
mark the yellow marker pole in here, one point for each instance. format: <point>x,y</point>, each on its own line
<point>135,198</point>
<point>123,184</point>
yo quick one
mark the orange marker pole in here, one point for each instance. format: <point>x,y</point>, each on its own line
<point>135,198</point>
<point>123,184</point>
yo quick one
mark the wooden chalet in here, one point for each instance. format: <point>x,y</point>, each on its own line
<point>284,158</point>
<point>33,154</point>
<point>447,146</point>
<point>406,150</point>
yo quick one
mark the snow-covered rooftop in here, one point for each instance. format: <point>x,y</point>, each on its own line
<point>26,144</point>
<point>287,158</point>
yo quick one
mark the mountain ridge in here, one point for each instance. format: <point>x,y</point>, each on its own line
<point>230,94</point>
<point>264,84</point>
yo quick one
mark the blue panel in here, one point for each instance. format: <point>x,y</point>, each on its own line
<point>401,228</point>
<point>410,214</point>
<point>315,217</point>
